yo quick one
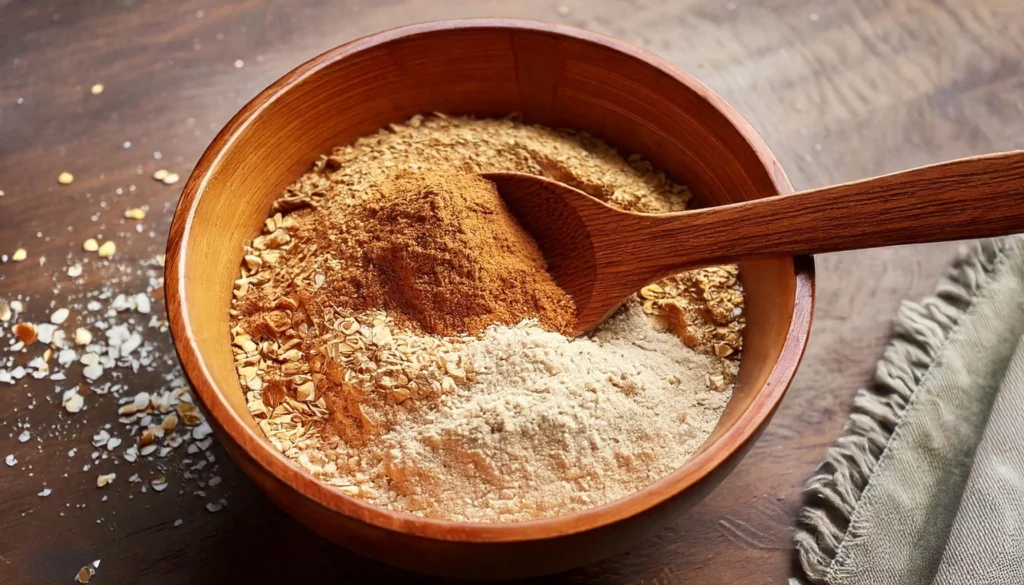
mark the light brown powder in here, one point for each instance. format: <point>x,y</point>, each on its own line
<point>542,426</point>
<point>519,422</point>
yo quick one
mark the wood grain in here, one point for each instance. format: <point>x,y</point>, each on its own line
<point>601,255</point>
<point>868,87</point>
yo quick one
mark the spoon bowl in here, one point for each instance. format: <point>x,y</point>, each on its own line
<point>577,241</point>
<point>601,255</point>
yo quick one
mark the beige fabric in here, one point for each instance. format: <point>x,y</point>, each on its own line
<point>986,544</point>
<point>930,474</point>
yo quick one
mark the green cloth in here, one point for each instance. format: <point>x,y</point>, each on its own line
<point>927,483</point>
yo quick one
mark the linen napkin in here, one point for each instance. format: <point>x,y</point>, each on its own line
<point>926,485</point>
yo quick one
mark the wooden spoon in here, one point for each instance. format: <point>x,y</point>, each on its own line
<point>600,255</point>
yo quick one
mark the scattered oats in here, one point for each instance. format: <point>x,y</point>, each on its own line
<point>159,483</point>
<point>189,414</point>
<point>178,522</point>
<point>652,291</point>
<point>214,481</point>
<point>131,344</point>
<point>11,461</point>
<point>202,431</point>
<point>104,480</point>
<point>24,436</point>
<point>239,63</point>
<point>217,506</point>
<point>74,402</point>
<point>135,213</point>
<point>131,454</point>
<point>65,178</point>
<point>90,245</point>
<point>403,394</point>
<point>148,450</point>
<point>141,400</point>
<point>84,574</point>
<point>107,249</point>
<point>171,178</point>
<point>142,303</point>
<point>716,382</point>
<point>92,372</point>
<point>28,333</point>
<point>45,492</point>
<point>306,392</point>
<point>19,255</point>
<point>722,350</point>
<point>150,435</point>
<point>101,438</point>
<point>170,421</point>
<point>96,89</point>
<point>45,332</point>
<point>160,175</point>
<point>253,262</point>
<point>5,311</point>
<point>59,316</point>
<point>75,270</point>
<point>83,336</point>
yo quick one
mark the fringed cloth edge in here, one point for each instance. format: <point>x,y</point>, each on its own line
<point>920,332</point>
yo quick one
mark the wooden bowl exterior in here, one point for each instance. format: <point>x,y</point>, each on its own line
<point>553,75</point>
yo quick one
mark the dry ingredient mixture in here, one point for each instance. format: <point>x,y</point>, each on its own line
<point>397,336</point>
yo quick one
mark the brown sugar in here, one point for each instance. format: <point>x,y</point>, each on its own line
<point>443,251</point>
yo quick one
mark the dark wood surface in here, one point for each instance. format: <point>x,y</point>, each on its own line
<point>840,91</point>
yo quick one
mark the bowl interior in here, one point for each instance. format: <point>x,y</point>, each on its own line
<point>637,104</point>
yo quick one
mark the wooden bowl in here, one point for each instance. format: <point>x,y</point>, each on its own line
<point>553,75</point>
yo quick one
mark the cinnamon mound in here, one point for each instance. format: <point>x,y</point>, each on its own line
<point>443,251</point>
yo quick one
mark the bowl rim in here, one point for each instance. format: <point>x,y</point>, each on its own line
<point>260,451</point>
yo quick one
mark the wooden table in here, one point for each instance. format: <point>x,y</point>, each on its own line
<point>840,90</point>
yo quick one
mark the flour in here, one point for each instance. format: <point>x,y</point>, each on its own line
<point>546,427</point>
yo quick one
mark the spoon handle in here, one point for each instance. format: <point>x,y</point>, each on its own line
<point>961,199</point>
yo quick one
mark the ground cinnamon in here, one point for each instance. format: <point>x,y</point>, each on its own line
<point>443,251</point>
<point>439,252</point>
